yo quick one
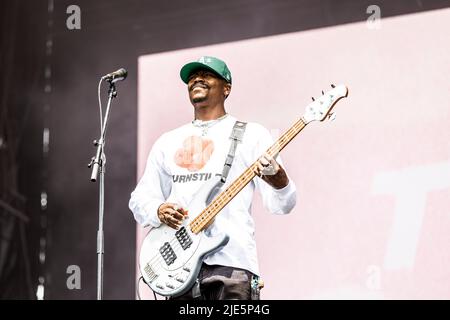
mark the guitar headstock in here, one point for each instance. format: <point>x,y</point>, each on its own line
<point>321,107</point>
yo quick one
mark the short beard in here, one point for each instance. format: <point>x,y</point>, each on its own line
<point>197,100</point>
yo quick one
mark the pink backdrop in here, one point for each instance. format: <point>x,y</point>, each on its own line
<point>373,213</point>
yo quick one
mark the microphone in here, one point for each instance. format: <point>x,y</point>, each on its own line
<point>115,76</point>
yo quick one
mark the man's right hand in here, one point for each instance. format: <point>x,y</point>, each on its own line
<point>172,214</point>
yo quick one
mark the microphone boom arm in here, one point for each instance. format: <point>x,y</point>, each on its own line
<point>96,161</point>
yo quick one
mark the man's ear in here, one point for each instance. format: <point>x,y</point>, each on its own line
<point>227,89</point>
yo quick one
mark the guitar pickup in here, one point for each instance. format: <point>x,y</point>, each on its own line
<point>183,238</point>
<point>167,253</point>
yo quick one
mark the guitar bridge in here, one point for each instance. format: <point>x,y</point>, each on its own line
<point>150,273</point>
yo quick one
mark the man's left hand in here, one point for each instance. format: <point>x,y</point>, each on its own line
<point>270,171</point>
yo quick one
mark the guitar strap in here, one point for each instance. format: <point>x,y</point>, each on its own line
<point>236,137</point>
<point>237,134</point>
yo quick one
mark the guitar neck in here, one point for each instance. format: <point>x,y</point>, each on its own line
<point>208,214</point>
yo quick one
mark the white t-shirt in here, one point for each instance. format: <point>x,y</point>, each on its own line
<point>181,160</point>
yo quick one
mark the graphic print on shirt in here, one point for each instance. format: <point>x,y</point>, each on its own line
<point>193,156</point>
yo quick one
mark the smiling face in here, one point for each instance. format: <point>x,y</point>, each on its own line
<point>206,88</point>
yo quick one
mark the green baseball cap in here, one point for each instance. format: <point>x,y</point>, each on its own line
<point>206,63</point>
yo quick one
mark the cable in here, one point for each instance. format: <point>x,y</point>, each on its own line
<point>137,287</point>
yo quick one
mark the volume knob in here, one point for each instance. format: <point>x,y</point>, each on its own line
<point>160,286</point>
<point>169,285</point>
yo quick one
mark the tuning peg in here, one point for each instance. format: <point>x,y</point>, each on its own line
<point>332,116</point>
<point>333,86</point>
<point>322,92</point>
<point>313,99</point>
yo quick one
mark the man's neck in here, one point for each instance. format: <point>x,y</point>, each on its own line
<point>207,113</point>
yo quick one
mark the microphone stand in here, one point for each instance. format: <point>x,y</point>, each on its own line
<point>98,164</point>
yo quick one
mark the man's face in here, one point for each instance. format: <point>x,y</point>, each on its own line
<point>206,88</point>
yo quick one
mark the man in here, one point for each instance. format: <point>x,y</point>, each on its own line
<point>181,160</point>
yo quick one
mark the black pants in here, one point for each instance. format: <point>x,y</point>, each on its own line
<point>221,283</point>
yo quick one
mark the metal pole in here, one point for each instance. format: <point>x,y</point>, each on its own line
<point>100,233</point>
<point>98,164</point>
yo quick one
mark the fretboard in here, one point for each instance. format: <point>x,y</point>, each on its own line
<point>209,213</point>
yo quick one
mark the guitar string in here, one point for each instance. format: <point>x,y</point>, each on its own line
<point>220,201</point>
<point>245,176</point>
<point>233,187</point>
<point>175,245</point>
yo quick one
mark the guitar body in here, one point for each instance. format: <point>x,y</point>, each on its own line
<point>170,259</point>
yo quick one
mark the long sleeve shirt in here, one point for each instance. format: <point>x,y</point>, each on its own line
<point>182,159</point>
